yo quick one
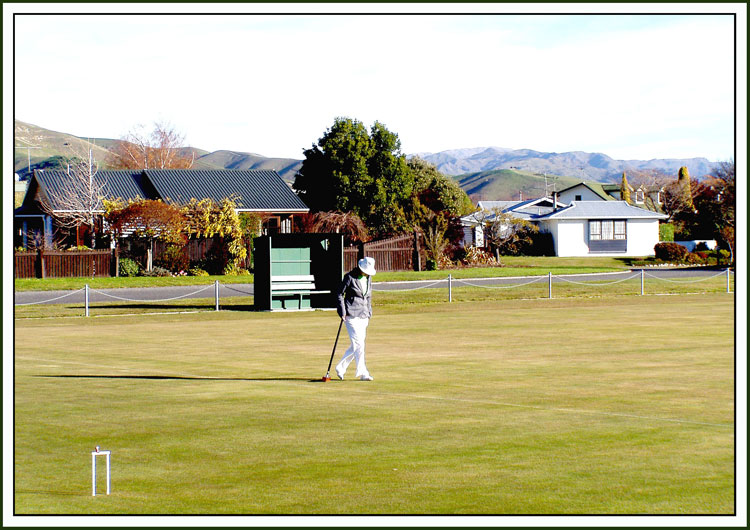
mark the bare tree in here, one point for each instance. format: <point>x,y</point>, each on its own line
<point>162,148</point>
<point>79,197</point>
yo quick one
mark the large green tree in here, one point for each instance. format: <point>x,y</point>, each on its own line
<point>437,191</point>
<point>351,169</point>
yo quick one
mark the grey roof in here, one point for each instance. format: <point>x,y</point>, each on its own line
<point>259,190</point>
<point>492,205</point>
<point>124,184</point>
<point>530,209</point>
<point>540,210</point>
<point>603,210</point>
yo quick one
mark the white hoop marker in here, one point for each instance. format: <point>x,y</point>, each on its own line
<point>94,454</point>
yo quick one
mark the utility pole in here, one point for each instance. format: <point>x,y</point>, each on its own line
<point>28,152</point>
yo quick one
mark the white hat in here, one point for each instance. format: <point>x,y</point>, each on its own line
<point>367,265</point>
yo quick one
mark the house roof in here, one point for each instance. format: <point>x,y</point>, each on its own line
<point>596,187</point>
<point>123,184</point>
<point>542,209</point>
<point>530,209</point>
<point>255,190</point>
<point>603,210</point>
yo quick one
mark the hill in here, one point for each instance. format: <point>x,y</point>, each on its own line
<point>47,149</point>
<point>286,167</point>
<point>483,172</point>
<point>585,166</point>
<point>40,147</point>
<point>508,184</point>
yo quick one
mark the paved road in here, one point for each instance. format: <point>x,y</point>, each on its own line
<point>152,294</point>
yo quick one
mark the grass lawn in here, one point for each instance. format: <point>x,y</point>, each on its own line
<point>62,284</point>
<point>512,266</point>
<point>563,406</point>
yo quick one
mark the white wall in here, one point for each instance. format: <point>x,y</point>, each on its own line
<point>643,235</point>
<point>571,237</point>
<point>585,193</point>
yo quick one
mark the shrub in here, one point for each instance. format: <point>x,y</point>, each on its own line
<point>542,244</point>
<point>231,270</point>
<point>670,251</point>
<point>701,246</point>
<point>666,232</point>
<point>173,258</point>
<point>195,271</point>
<point>129,267</point>
<point>477,257</point>
<point>692,258</point>
<point>217,258</point>
<point>157,271</point>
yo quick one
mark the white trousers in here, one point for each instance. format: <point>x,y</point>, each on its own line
<point>357,328</point>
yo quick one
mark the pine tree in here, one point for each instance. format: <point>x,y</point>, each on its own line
<point>683,182</point>
<point>625,189</point>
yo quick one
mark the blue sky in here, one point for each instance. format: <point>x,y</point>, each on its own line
<point>630,86</point>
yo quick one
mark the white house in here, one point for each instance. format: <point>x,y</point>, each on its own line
<point>595,228</point>
<point>579,228</point>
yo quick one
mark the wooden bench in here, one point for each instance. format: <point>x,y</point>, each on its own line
<point>293,291</point>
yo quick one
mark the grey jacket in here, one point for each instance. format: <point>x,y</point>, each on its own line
<point>351,300</point>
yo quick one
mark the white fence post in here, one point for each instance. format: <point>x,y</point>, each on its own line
<point>450,288</point>
<point>728,281</point>
<point>642,282</point>
<point>549,276</point>
<point>87,300</point>
<point>216,293</point>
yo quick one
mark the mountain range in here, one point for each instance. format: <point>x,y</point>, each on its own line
<point>481,171</point>
<point>584,166</point>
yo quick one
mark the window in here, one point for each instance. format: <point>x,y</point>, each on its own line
<point>607,230</point>
<point>595,230</point>
<point>608,236</point>
<point>639,196</point>
<point>620,230</point>
<point>578,198</point>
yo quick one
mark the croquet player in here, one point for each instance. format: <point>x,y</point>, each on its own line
<point>355,308</point>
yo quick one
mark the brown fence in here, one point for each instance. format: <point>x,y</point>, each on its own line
<point>394,254</point>
<point>63,264</point>
<point>25,264</point>
<point>198,249</point>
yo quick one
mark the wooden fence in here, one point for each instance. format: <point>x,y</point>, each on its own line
<point>63,263</point>
<point>198,249</point>
<point>25,264</point>
<point>394,254</point>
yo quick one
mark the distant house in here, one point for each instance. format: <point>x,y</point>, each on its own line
<point>642,196</point>
<point>589,191</point>
<point>262,192</point>
<point>579,228</point>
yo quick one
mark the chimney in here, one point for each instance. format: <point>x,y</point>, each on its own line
<point>554,201</point>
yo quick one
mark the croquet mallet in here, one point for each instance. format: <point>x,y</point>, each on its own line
<point>327,376</point>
